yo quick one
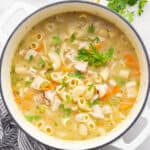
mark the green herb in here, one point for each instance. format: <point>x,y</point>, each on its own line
<point>42,108</point>
<point>90,87</point>
<point>117,5</point>
<point>91,28</point>
<point>57,50</point>
<point>128,15</point>
<point>64,83</point>
<point>30,118</point>
<point>56,40</point>
<point>119,81</point>
<point>94,57</point>
<point>141,6</point>
<point>72,38</point>
<point>77,74</point>
<point>56,124</point>
<point>68,99</point>
<point>132,2</point>
<point>95,102</point>
<point>30,58</point>
<point>28,83</point>
<point>35,67</point>
<point>121,7</point>
<point>97,39</point>
<point>66,111</point>
<point>42,62</point>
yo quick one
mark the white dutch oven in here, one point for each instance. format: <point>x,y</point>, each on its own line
<point>25,26</point>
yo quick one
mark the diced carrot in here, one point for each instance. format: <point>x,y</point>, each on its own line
<point>130,60</point>
<point>135,72</point>
<point>65,69</point>
<point>106,96</point>
<point>41,47</point>
<point>98,45</point>
<point>115,90</point>
<point>126,103</point>
<point>100,123</point>
<point>25,105</point>
<point>18,99</point>
<point>86,81</point>
<point>28,95</point>
<point>52,85</point>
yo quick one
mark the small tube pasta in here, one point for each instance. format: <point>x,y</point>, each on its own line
<point>50,27</point>
<point>55,58</point>
<point>39,36</point>
<point>78,92</point>
<point>40,124</point>
<point>73,82</point>
<point>48,129</point>
<point>60,90</point>
<point>65,121</point>
<point>91,125</point>
<point>57,77</point>
<point>82,117</point>
<point>30,53</point>
<point>33,45</point>
<point>82,104</point>
<point>97,112</point>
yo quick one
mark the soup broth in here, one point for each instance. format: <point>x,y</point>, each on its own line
<point>75,76</point>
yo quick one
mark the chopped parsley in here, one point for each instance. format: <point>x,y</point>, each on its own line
<point>27,83</point>
<point>95,102</point>
<point>72,38</point>
<point>77,74</point>
<point>30,118</point>
<point>57,50</point>
<point>90,87</point>
<point>56,39</point>
<point>42,62</point>
<point>91,28</point>
<point>97,39</point>
<point>141,6</point>
<point>119,81</point>
<point>30,58</point>
<point>68,99</point>
<point>66,111</point>
<point>64,83</point>
<point>94,57</point>
<point>121,7</point>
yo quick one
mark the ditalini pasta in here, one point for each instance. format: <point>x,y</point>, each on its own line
<point>75,76</point>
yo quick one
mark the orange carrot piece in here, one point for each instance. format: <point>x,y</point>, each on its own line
<point>127,103</point>
<point>115,90</point>
<point>25,105</point>
<point>41,47</point>
<point>28,96</point>
<point>52,85</point>
<point>98,45</point>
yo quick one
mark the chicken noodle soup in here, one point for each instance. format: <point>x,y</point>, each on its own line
<point>75,76</point>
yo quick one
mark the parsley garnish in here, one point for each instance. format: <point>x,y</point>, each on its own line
<point>66,111</point>
<point>95,102</point>
<point>91,28</point>
<point>90,87</point>
<point>94,57</point>
<point>64,83</point>
<point>27,83</point>
<point>141,6</point>
<point>30,118</point>
<point>42,62</point>
<point>56,40</point>
<point>72,38</point>
<point>77,74</point>
<point>97,39</point>
<point>68,99</point>
<point>119,81</point>
<point>30,58</point>
<point>57,50</point>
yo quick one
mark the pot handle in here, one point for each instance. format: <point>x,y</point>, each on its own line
<point>120,143</point>
<point>12,18</point>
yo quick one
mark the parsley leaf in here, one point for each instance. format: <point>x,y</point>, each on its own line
<point>57,50</point>
<point>77,74</point>
<point>68,99</point>
<point>94,57</point>
<point>27,83</point>
<point>128,15</point>
<point>72,38</point>
<point>119,81</point>
<point>64,83</point>
<point>91,28</point>
<point>66,111</point>
<point>90,86</point>
<point>30,58</point>
<point>132,2</point>
<point>42,62</point>
<point>30,118</point>
<point>56,40</point>
<point>141,6</point>
<point>95,102</point>
<point>97,39</point>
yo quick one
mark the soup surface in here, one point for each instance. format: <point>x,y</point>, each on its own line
<point>75,76</point>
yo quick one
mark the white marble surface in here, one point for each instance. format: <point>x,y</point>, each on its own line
<point>141,24</point>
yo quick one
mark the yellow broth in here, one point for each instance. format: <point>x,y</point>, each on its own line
<point>75,76</point>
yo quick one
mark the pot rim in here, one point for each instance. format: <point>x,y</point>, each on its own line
<point>97,5</point>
